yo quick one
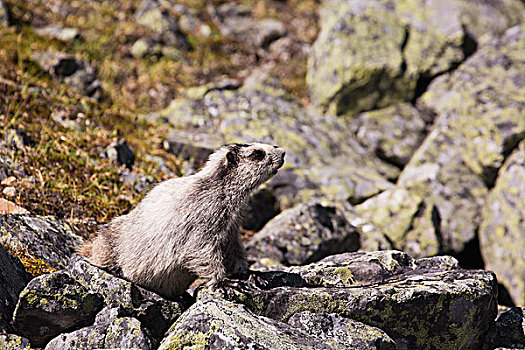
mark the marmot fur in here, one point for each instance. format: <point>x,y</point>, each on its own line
<point>189,226</point>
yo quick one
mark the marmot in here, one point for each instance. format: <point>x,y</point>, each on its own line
<point>189,226</point>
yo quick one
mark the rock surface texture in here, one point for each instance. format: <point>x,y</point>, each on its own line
<point>502,232</point>
<point>413,41</point>
<point>436,204</point>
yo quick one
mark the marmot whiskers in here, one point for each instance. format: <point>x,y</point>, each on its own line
<point>189,226</point>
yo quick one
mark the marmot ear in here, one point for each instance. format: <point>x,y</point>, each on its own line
<point>233,158</point>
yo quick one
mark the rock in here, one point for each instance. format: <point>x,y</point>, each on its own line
<point>508,330</point>
<point>44,237</point>
<point>234,20</point>
<point>52,304</point>
<point>387,51</point>
<point>18,139</point>
<point>140,183</point>
<point>119,152</point>
<point>418,308</point>
<point>148,46</point>
<point>9,191</point>
<point>14,342</point>
<point>13,279</point>
<point>59,33</point>
<point>321,152</point>
<point>8,207</point>
<point>394,133</point>
<point>4,15</point>
<point>220,324</point>
<point>152,15</point>
<point>70,70</point>
<point>337,331</point>
<point>61,119</point>
<point>111,330</point>
<point>191,24</point>
<point>502,228</point>
<point>436,204</point>
<point>303,234</point>
<point>154,313</point>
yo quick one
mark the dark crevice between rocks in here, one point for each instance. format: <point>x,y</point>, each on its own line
<point>470,257</point>
<point>469,46</point>
<point>379,153</point>
<point>402,48</point>
<point>504,297</point>
<point>436,222</point>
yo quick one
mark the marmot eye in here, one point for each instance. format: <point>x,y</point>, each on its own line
<point>257,155</point>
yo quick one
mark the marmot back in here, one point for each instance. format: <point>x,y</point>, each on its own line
<point>189,226</point>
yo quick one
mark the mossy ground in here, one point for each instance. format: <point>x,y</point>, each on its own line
<point>63,174</point>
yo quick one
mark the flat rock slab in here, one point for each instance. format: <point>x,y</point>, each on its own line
<point>214,323</point>
<point>46,238</point>
<point>427,305</point>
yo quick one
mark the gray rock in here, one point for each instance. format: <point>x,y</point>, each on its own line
<point>59,33</point>
<point>436,205</point>
<point>119,152</point>
<point>262,208</point>
<point>234,20</point>
<point>394,132</point>
<point>46,238</point>
<point>321,152</point>
<point>52,304</point>
<point>508,331</point>
<point>140,183</point>
<point>220,324</point>
<point>339,332</point>
<point>111,330</point>
<point>303,234</point>
<point>501,234</point>
<point>154,313</point>
<point>14,342</point>
<point>13,279</point>
<point>4,15</point>
<point>70,70</point>
<point>417,308</point>
<point>386,50</point>
<point>153,15</point>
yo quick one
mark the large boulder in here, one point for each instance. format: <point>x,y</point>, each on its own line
<point>501,235</point>
<point>436,204</point>
<point>52,304</point>
<point>323,158</point>
<point>309,232</point>
<point>44,237</point>
<point>420,305</point>
<point>215,323</point>
<point>377,53</point>
<point>13,279</point>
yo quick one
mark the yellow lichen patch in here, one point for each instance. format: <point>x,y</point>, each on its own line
<point>33,265</point>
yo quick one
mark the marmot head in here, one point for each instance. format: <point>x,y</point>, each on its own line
<point>245,166</point>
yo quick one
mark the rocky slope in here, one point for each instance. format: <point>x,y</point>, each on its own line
<point>397,221</point>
